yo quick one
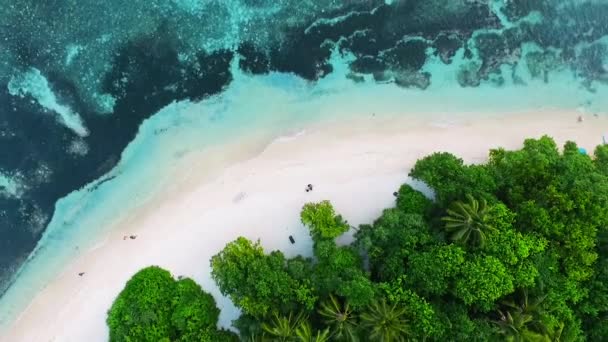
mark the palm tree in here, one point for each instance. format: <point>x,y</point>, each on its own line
<point>468,222</point>
<point>513,326</point>
<point>524,321</point>
<point>340,318</point>
<point>305,334</point>
<point>533,308</point>
<point>385,322</point>
<point>255,338</point>
<point>555,334</point>
<point>283,328</point>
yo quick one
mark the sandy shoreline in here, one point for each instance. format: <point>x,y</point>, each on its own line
<point>356,164</point>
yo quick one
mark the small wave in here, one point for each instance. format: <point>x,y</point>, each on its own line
<point>290,137</point>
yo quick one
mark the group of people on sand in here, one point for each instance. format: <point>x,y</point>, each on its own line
<point>309,188</point>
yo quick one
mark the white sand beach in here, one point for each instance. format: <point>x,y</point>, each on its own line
<point>356,164</point>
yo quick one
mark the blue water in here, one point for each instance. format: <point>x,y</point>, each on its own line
<point>99,101</point>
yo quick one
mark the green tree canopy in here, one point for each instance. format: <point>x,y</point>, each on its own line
<point>564,199</point>
<point>256,282</point>
<point>411,201</point>
<point>339,270</point>
<point>521,256</point>
<point>419,312</point>
<point>144,307</point>
<point>194,310</point>
<point>457,324</point>
<point>601,159</point>
<point>390,241</point>
<point>451,180</point>
<point>482,281</point>
<point>323,221</point>
<point>432,272</point>
<point>517,252</point>
<point>155,307</point>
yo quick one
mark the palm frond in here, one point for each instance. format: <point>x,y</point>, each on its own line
<point>468,222</point>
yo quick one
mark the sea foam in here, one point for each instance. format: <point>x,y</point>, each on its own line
<point>34,84</point>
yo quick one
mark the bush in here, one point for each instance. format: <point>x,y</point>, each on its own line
<point>323,221</point>
<point>412,201</point>
<point>155,307</point>
<point>143,309</point>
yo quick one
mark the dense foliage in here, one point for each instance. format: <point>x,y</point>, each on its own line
<point>272,287</point>
<point>155,307</point>
<point>515,249</point>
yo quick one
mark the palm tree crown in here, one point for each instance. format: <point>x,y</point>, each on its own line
<point>385,322</point>
<point>283,328</point>
<point>340,318</point>
<point>523,321</point>
<point>468,222</point>
<point>305,333</point>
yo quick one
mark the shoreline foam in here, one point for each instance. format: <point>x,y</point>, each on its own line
<point>362,158</point>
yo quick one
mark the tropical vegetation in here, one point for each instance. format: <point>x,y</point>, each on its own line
<point>154,306</point>
<point>515,249</point>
